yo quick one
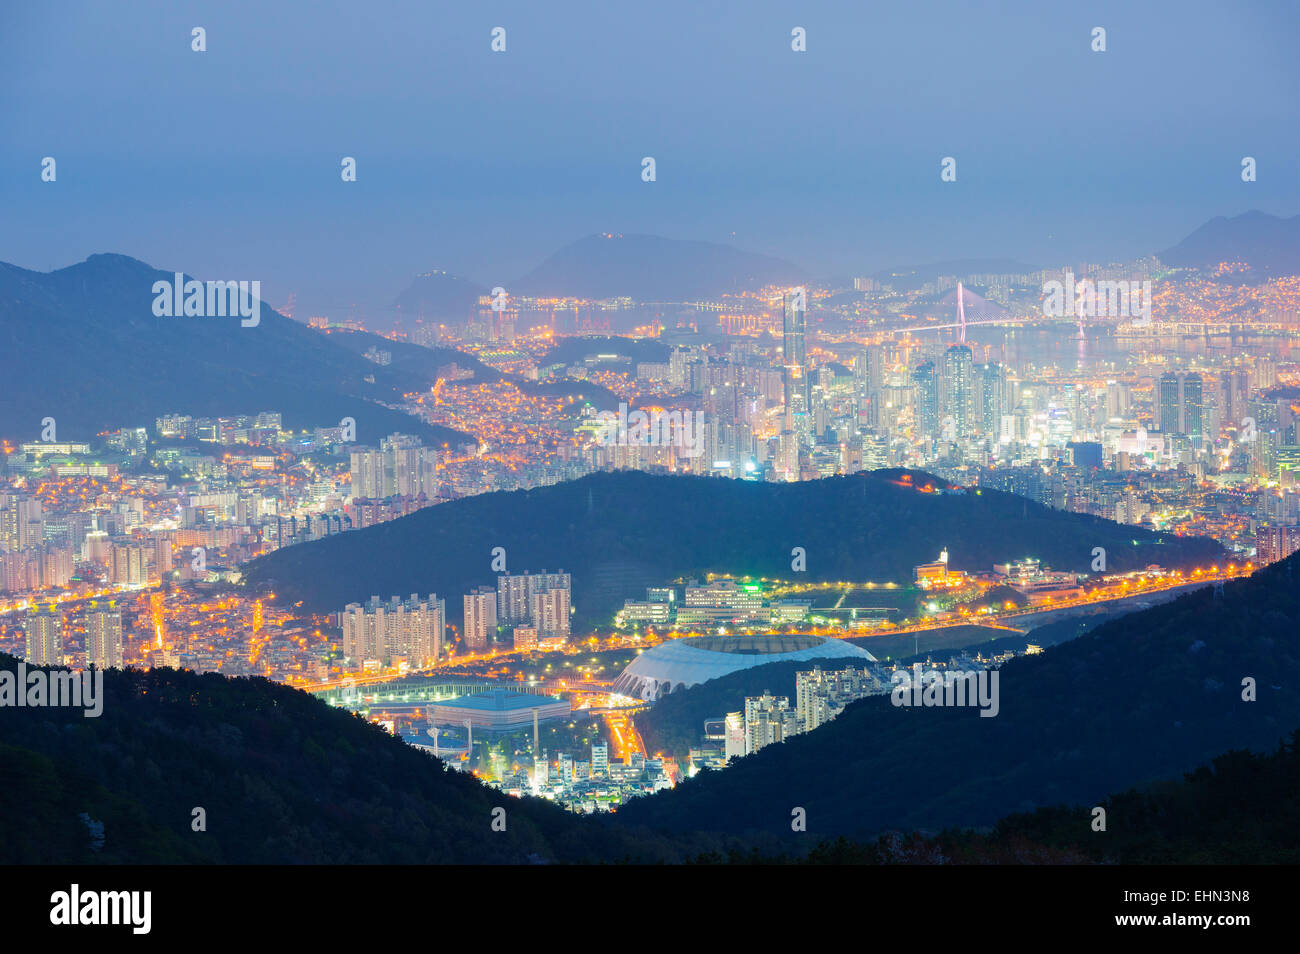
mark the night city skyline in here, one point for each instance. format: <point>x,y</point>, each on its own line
<point>728,437</point>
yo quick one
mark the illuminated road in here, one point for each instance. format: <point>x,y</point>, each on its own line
<point>1114,589</point>
<point>623,736</point>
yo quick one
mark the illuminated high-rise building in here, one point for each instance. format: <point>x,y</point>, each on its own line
<point>401,467</point>
<point>550,612</point>
<point>21,522</point>
<point>798,392</point>
<point>515,594</point>
<point>44,628</point>
<point>384,630</point>
<point>1182,404</point>
<point>992,389</point>
<point>367,473</point>
<point>104,634</point>
<point>410,467</point>
<point>1234,393</point>
<point>1276,543</point>
<point>926,384</point>
<point>480,617</point>
<point>129,564</point>
<point>958,389</point>
<point>1170,403</point>
<point>1193,406</point>
<point>766,721</point>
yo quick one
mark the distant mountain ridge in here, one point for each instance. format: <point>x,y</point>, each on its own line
<point>82,345</point>
<point>651,268</point>
<point>439,296</point>
<point>1267,242</point>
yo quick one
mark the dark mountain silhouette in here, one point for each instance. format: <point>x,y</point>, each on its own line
<point>1266,242</point>
<point>649,268</point>
<point>282,777</point>
<point>83,346</point>
<point>438,296</point>
<point>417,362</point>
<point>1242,808</point>
<point>617,533</point>
<point>1146,697</point>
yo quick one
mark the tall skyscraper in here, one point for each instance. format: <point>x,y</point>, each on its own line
<point>551,612</point>
<point>104,634</point>
<point>1182,404</point>
<point>513,605</point>
<point>1170,403</point>
<point>367,473</point>
<point>1234,393</point>
<point>1118,399</point>
<point>798,400</point>
<point>926,384</point>
<point>128,564</point>
<point>991,399</point>
<point>21,522</point>
<point>1193,404</point>
<point>480,617</point>
<point>958,391</point>
<point>410,468</point>
<point>44,629</point>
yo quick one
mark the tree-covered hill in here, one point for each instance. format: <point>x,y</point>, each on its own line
<point>1242,808</point>
<point>282,777</point>
<point>617,533</point>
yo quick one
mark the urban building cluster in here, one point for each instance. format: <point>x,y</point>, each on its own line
<point>596,783</point>
<point>394,633</point>
<point>1186,422</point>
<point>536,607</point>
<point>500,720</point>
<point>708,604</point>
<point>820,696</point>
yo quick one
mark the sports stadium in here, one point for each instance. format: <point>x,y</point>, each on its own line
<point>680,663</point>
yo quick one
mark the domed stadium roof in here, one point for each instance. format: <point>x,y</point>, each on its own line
<point>680,663</point>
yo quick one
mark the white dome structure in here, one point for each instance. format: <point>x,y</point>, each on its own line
<point>681,663</point>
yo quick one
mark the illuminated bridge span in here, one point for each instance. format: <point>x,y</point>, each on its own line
<point>982,312</point>
<point>419,689</point>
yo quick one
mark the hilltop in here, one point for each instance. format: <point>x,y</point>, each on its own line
<point>619,532</point>
<point>89,352</point>
<point>650,268</point>
<point>283,778</point>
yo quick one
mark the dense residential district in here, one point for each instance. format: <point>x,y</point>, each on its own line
<point>130,549</point>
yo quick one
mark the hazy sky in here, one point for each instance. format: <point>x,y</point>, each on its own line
<point>226,163</point>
